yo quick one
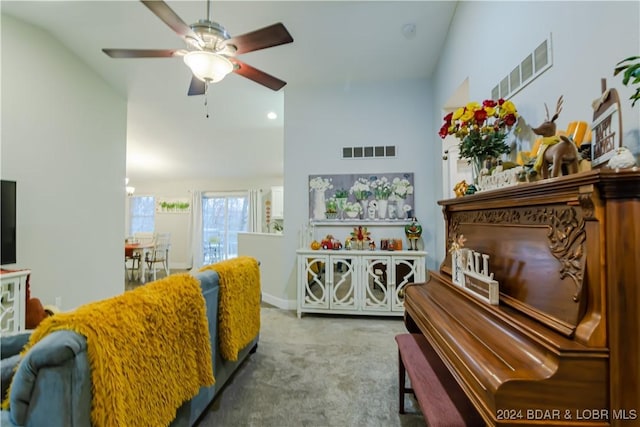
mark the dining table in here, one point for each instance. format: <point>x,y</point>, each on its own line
<point>140,249</point>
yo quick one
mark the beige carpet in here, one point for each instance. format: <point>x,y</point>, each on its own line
<point>318,371</point>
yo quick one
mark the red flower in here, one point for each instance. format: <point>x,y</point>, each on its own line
<point>510,119</point>
<point>480,115</point>
<point>500,101</point>
<point>489,103</point>
<point>444,130</point>
<point>448,117</point>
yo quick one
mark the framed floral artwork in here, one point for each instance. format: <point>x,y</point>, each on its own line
<point>377,197</point>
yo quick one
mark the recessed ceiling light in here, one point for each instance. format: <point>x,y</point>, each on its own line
<point>409,30</point>
<point>271,115</point>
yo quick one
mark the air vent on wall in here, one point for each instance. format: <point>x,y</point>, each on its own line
<point>369,152</point>
<point>533,65</point>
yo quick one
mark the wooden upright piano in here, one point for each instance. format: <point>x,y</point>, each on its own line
<point>562,346</point>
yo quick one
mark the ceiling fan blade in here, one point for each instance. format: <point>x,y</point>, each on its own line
<point>143,53</point>
<point>196,87</point>
<point>257,76</point>
<point>169,17</point>
<point>273,35</point>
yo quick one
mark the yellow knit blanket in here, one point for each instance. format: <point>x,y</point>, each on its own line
<point>239,305</point>
<point>149,350</point>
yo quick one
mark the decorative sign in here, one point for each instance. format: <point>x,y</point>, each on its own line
<point>606,128</point>
<point>471,272</point>
<point>173,206</point>
<point>482,287</point>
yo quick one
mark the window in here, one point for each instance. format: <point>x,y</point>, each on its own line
<point>141,214</point>
<point>223,216</point>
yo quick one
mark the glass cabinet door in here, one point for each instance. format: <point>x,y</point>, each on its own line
<point>343,283</point>
<point>405,270</point>
<point>315,282</point>
<point>376,285</point>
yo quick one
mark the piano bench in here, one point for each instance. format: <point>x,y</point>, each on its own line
<point>441,400</point>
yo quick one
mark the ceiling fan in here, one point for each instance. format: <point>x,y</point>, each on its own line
<point>211,51</point>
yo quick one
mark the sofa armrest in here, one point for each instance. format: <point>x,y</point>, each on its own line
<point>10,345</point>
<point>52,385</point>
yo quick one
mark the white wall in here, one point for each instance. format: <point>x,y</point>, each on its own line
<point>267,248</point>
<point>488,39</point>
<point>319,121</point>
<point>63,141</point>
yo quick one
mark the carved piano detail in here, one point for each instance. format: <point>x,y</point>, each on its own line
<point>562,346</point>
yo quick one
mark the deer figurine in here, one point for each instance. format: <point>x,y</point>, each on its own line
<point>554,150</point>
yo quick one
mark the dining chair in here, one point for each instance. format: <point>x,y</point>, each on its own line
<point>131,256</point>
<point>159,254</point>
<point>144,237</point>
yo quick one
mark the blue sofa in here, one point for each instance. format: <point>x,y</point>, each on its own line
<point>52,385</point>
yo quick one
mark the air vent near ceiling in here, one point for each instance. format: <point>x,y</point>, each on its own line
<point>369,152</point>
<point>534,64</point>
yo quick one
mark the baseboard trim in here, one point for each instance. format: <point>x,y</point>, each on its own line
<point>279,302</point>
<point>179,266</point>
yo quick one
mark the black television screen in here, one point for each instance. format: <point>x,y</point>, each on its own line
<point>8,230</point>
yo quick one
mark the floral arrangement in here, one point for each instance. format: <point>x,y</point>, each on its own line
<point>341,194</point>
<point>482,129</point>
<point>401,187</point>
<point>381,187</point>
<point>319,183</point>
<point>332,205</point>
<point>361,189</point>
<point>352,207</point>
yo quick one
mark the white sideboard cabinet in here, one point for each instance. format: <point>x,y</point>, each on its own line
<point>13,301</point>
<point>356,281</point>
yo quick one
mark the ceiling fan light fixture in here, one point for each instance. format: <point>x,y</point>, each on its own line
<point>208,66</point>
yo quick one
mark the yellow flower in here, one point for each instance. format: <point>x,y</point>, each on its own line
<point>490,111</point>
<point>473,106</point>
<point>457,114</point>
<point>507,108</point>
<point>468,115</point>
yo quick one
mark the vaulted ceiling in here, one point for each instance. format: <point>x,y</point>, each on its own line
<point>168,133</point>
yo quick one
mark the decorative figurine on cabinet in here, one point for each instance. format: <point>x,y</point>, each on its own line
<point>413,232</point>
<point>555,150</point>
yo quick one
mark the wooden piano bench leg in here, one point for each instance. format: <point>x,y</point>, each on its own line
<point>402,383</point>
<point>441,400</point>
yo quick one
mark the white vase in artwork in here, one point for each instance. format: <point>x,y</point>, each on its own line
<point>365,207</point>
<point>382,208</point>
<point>400,207</point>
<point>393,213</point>
<point>372,210</point>
<point>318,204</point>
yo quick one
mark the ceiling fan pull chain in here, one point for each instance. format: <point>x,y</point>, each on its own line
<point>206,99</point>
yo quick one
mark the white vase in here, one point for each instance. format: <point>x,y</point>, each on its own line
<point>365,207</point>
<point>382,208</point>
<point>318,204</point>
<point>400,208</point>
<point>393,213</point>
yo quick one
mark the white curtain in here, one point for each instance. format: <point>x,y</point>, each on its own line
<point>255,211</point>
<point>195,231</point>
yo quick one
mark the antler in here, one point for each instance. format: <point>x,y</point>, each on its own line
<point>546,118</point>
<point>558,109</point>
